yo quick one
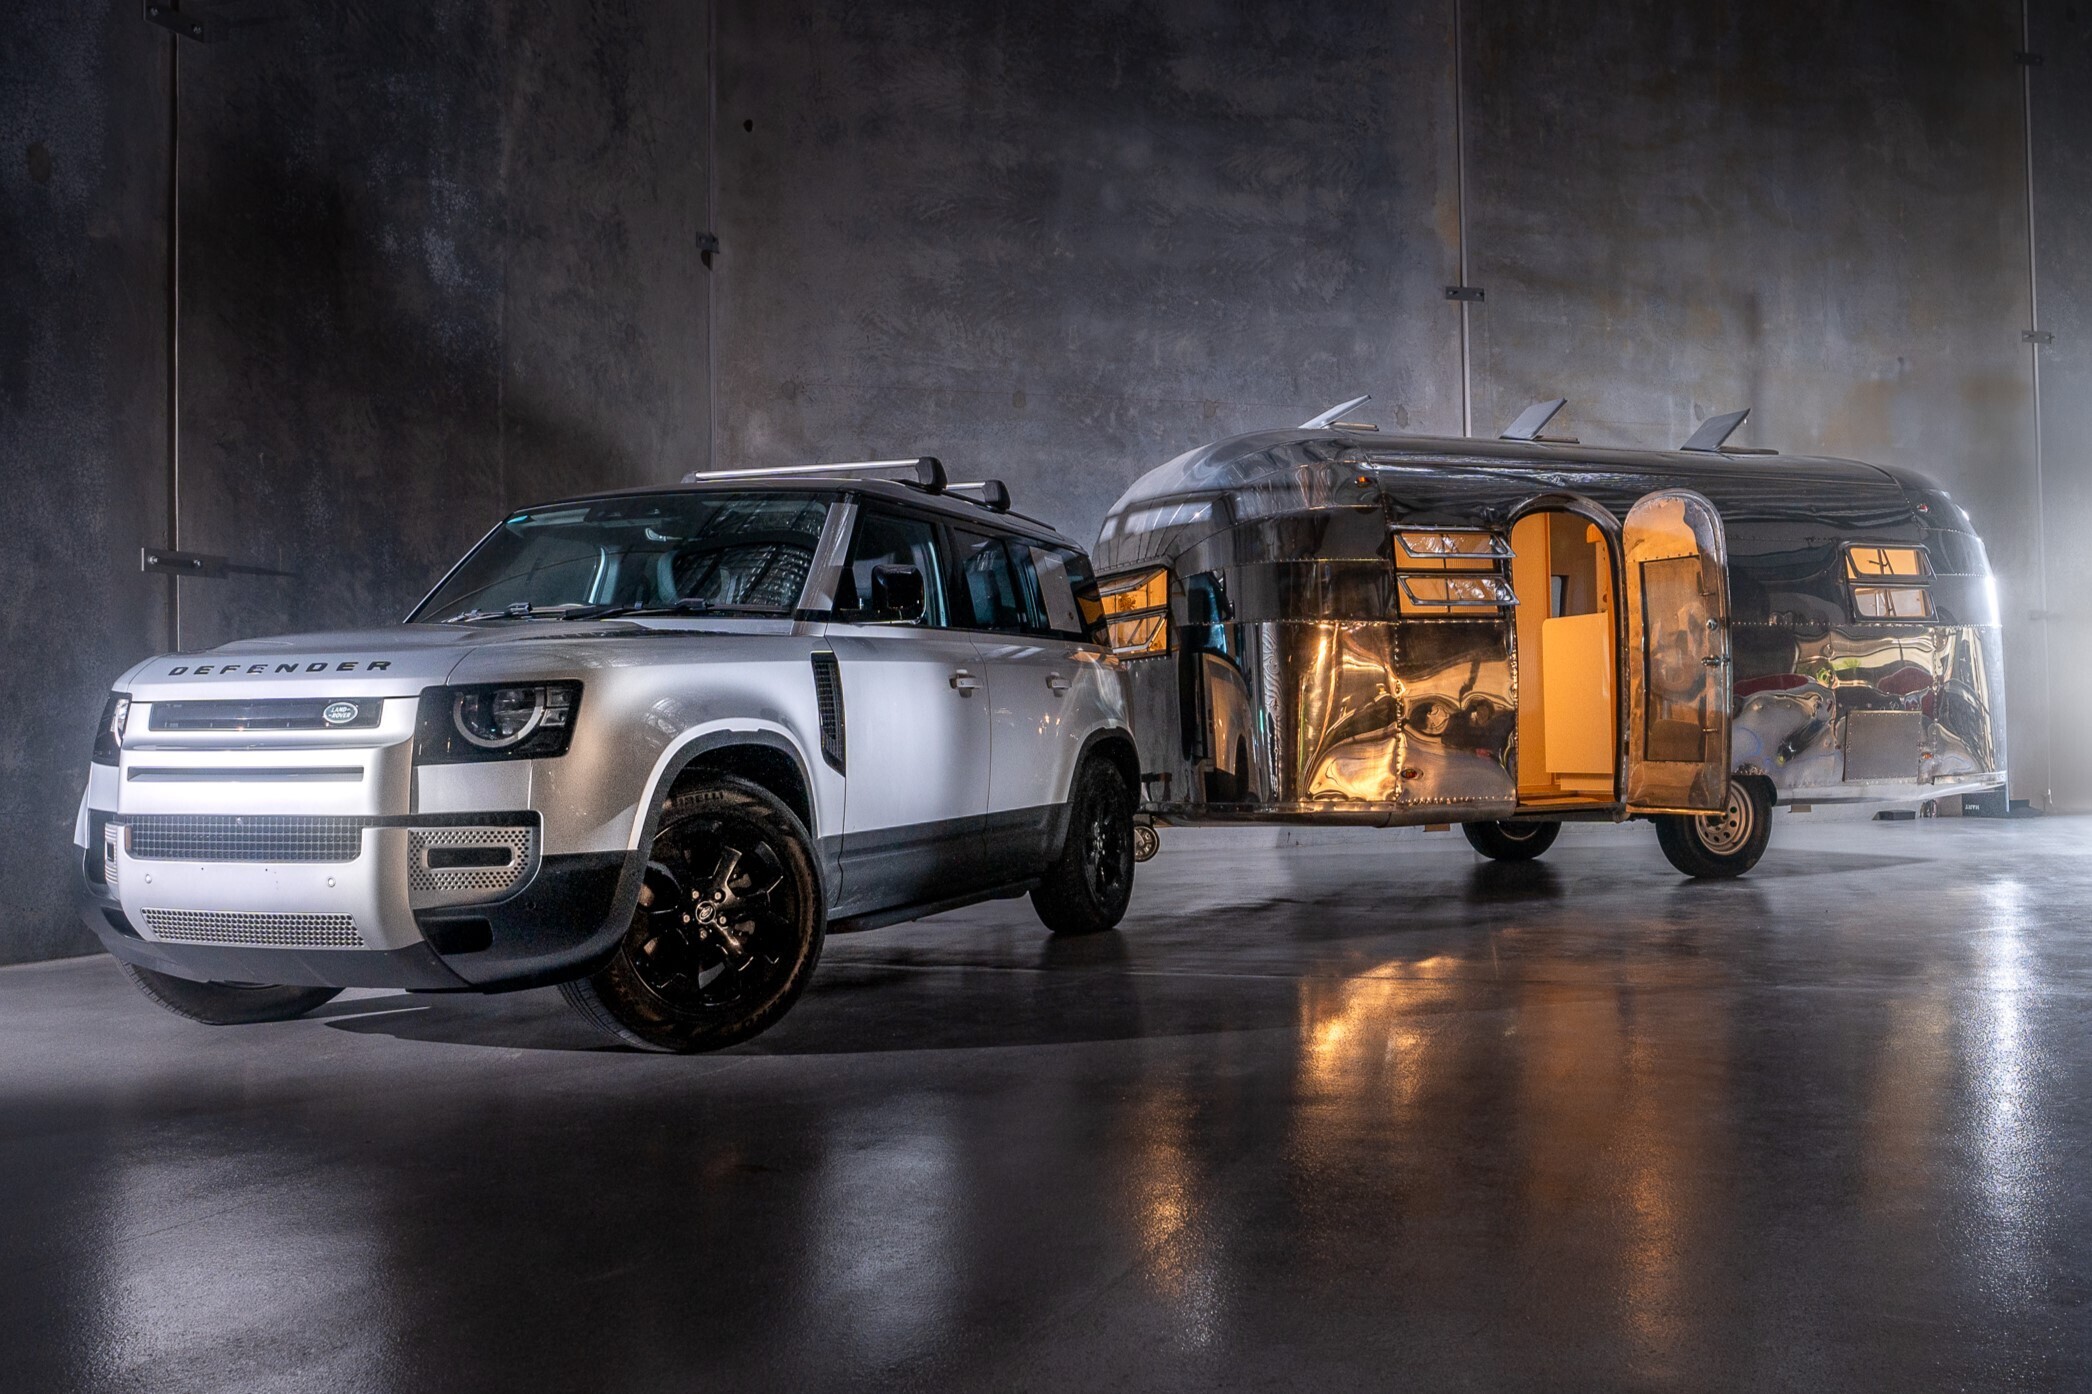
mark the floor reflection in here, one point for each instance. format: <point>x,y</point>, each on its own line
<point>1356,1118</point>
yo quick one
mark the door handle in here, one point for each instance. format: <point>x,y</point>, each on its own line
<point>1056,682</point>
<point>964,683</point>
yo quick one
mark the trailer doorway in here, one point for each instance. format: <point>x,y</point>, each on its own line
<point>1562,570</point>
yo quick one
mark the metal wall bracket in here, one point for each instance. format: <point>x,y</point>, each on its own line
<point>1464,293</point>
<point>2036,336</point>
<point>168,15</point>
<point>163,561</point>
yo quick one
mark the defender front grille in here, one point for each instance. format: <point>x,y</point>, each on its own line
<point>480,862</point>
<point>271,714</point>
<point>253,929</point>
<point>208,837</point>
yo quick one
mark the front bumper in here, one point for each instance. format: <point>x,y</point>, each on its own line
<point>408,902</point>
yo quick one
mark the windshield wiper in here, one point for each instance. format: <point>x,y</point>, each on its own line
<point>521,610</point>
<point>688,605</point>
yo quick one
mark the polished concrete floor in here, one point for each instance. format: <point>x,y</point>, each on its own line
<point>1363,1114</point>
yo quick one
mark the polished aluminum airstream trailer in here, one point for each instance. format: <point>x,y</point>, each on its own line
<point>1335,625</point>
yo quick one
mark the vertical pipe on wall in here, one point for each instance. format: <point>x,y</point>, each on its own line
<point>711,226</point>
<point>1467,397</point>
<point>174,333</point>
<point>2026,97</point>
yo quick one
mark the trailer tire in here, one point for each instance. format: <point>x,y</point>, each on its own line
<point>1512,840</point>
<point>1716,846</point>
<point>226,1004</point>
<point>727,932</point>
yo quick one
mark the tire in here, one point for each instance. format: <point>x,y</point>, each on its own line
<point>1513,840</point>
<point>1087,888</point>
<point>226,1004</point>
<point>689,975</point>
<point>1719,845</point>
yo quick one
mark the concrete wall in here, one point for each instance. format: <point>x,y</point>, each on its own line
<point>83,178</point>
<point>438,260</point>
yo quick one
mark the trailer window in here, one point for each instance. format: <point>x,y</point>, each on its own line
<point>1133,612</point>
<point>1892,602</point>
<point>1867,568</point>
<point>1452,572</point>
<point>1863,563</point>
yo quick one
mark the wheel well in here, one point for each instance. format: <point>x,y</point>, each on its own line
<point>1116,748</point>
<point>765,765</point>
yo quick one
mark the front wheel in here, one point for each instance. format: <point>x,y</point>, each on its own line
<point>1513,840</point>
<point>727,931</point>
<point>1718,845</point>
<point>226,1004</point>
<point>1087,888</point>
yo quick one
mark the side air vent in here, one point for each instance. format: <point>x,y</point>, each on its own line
<point>828,690</point>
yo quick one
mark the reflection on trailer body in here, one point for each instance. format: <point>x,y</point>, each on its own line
<point>1331,624</point>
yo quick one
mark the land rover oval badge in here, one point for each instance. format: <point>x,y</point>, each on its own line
<point>339,713</point>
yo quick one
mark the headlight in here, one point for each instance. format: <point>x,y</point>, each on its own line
<point>108,737</point>
<point>522,721</point>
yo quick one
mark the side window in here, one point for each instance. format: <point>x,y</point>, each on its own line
<point>889,539</point>
<point>987,592</point>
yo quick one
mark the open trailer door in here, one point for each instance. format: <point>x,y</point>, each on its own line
<point>1676,577</point>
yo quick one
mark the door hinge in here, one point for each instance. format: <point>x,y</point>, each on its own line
<point>1464,293</point>
<point>707,248</point>
<point>2028,60</point>
<point>2036,336</point>
<point>168,15</point>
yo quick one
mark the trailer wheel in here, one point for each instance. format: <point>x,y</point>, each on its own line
<point>226,1004</point>
<point>1146,842</point>
<point>1513,840</point>
<point>727,931</point>
<point>1719,845</point>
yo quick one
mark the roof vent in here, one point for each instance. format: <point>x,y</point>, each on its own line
<point>1334,416</point>
<point>1533,420</point>
<point>1715,430</point>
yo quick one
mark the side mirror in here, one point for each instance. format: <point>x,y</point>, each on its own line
<point>897,593</point>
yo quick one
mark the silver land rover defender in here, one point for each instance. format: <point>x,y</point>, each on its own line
<point>650,746</point>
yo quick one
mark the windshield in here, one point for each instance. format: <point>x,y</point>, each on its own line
<point>740,552</point>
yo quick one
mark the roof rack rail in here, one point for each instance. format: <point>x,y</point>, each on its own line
<point>925,472</point>
<point>1712,434</point>
<point>991,494</point>
<point>1533,420</point>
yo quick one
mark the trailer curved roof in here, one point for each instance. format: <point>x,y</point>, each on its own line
<point>1451,480</point>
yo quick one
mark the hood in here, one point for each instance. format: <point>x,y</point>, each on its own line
<point>401,660</point>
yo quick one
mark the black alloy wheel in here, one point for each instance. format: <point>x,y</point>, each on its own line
<point>1088,887</point>
<point>1512,840</point>
<point>727,931</point>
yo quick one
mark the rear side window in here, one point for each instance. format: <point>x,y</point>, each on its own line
<point>1017,586</point>
<point>988,593</point>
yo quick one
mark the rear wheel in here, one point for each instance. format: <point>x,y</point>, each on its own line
<point>727,931</point>
<point>1513,840</point>
<point>1717,845</point>
<point>227,1004</point>
<point>1086,891</point>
